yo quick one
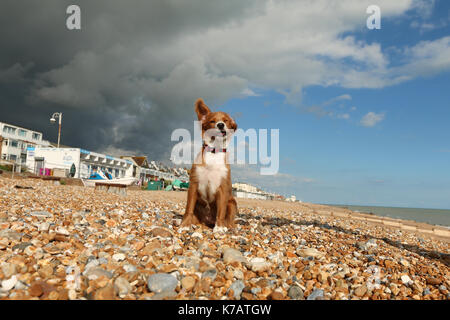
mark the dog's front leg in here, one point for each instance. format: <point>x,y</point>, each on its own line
<point>221,203</point>
<point>189,217</point>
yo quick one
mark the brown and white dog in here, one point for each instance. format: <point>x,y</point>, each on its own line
<point>210,200</point>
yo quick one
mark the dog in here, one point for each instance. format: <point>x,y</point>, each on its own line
<point>209,198</point>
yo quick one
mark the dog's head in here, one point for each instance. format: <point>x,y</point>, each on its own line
<point>217,127</point>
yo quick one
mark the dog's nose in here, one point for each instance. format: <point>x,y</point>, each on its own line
<point>220,125</point>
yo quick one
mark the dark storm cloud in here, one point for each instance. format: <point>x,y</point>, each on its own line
<point>115,81</point>
<point>132,73</point>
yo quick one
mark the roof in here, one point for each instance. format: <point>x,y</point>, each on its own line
<point>141,161</point>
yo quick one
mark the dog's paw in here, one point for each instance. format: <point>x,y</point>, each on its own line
<point>218,229</point>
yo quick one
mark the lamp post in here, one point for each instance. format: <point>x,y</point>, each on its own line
<point>53,120</point>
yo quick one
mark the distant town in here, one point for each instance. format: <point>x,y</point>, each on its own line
<point>25,150</point>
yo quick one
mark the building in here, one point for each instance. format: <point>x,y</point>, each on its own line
<point>292,198</point>
<point>245,187</point>
<point>139,168</point>
<point>149,170</point>
<point>60,160</point>
<point>15,140</point>
<point>245,190</point>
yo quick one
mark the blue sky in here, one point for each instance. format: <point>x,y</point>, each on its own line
<point>402,160</point>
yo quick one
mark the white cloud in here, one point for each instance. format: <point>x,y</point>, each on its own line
<point>343,116</point>
<point>249,92</point>
<point>338,98</point>
<point>371,119</point>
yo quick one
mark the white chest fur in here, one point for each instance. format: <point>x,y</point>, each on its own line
<point>211,174</point>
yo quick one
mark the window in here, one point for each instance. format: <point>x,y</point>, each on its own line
<point>22,133</point>
<point>14,143</point>
<point>5,142</point>
<point>12,157</point>
<point>8,129</point>
<point>36,136</point>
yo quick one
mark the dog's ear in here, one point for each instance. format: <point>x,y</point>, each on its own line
<point>233,125</point>
<point>201,109</point>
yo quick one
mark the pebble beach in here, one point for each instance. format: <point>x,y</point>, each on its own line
<point>60,242</point>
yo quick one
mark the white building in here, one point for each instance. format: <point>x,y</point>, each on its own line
<point>250,195</point>
<point>86,162</point>
<point>245,190</point>
<point>15,140</point>
<point>292,198</point>
<point>245,187</point>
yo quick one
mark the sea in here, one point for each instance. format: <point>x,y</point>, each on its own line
<point>432,216</point>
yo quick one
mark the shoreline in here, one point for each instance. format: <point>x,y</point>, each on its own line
<point>362,208</point>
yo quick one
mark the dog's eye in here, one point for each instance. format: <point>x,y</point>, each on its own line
<point>212,121</point>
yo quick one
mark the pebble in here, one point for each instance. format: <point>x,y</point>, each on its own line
<point>295,293</point>
<point>188,283</point>
<point>129,268</point>
<point>275,295</point>
<point>22,246</point>
<point>406,279</point>
<point>259,264</point>
<point>72,294</point>
<point>161,232</point>
<point>9,283</point>
<point>94,273</point>
<point>317,294</point>
<point>433,281</point>
<point>105,293</point>
<point>44,226</point>
<point>62,231</point>
<point>164,295</point>
<point>210,273</point>
<point>238,274</point>
<point>231,255</point>
<point>161,282</point>
<point>68,242</point>
<point>404,263</point>
<point>122,287</point>
<point>361,291</point>
<point>119,257</point>
<point>309,252</point>
<point>41,214</point>
<point>9,270</point>
<point>237,287</point>
<point>197,235</point>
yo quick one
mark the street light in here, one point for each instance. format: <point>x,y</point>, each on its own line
<point>53,120</point>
